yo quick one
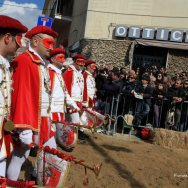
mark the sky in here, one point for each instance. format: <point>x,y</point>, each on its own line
<point>15,8</point>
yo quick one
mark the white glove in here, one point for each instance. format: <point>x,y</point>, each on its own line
<point>26,136</point>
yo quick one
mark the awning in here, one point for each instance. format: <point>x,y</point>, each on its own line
<point>162,44</point>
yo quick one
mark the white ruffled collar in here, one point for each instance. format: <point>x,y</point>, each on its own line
<point>55,68</point>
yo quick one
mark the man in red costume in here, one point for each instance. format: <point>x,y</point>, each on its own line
<point>31,100</point>
<point>10,41</point>
<point>90,117</point>
<point>60,99</point>
<point>74,82</point>
<point>89,83</point>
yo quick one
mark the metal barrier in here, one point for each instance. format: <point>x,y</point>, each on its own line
<point>123,104</point>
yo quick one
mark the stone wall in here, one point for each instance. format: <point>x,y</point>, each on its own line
<point>177,61</point>
<point>107,52</point>
<point>116,53</point>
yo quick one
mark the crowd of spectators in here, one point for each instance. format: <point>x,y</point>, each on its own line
<point>146,94</point>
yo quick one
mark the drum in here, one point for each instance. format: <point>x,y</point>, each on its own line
<point>66,136</point>
<point>52,171</point>
<point>87,119</point>
<point>92,118</point>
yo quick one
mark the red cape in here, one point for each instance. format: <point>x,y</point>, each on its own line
<point>52,74</point>
<point>68,79</point>
<point>85,95</point>
<point>26,96</point>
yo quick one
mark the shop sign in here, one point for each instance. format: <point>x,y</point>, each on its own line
<point>151,33</point>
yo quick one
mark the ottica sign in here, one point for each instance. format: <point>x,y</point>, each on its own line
<point>151,33</point>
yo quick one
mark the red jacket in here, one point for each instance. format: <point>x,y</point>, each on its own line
<point>68,79</point>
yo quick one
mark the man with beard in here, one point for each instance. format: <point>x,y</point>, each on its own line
<point>31,101</point>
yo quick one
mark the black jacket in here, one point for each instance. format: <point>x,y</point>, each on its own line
<point>147,92</point>
<point>176,92</point>
<point>156,92</point>
<point>129,86</point>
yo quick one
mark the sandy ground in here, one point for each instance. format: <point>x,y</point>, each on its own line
<point>127,163</point>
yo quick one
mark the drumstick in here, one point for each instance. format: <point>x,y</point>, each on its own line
<point>76,125</point>
<point>93,113</point>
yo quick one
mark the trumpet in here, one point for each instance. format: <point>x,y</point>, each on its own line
<point>96,168</point>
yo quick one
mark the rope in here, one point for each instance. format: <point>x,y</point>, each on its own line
<point>7,182</point>
<point>60,154</point>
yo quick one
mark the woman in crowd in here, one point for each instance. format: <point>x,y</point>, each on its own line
<point>159,93</point>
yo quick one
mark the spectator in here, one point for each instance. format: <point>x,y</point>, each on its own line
<point>127,89</point>
<point>165,79</point>
<point>176,95</point>
<point>162,70</point>
<point>152,80</point>
<point>185,87</point>
<point>123,75</point>
<point>144,90</point>
<point>113,84</point>
<point>159,93</point>
<point>183,76</point>
<point>159,79</point>
<point>131,83</point>
<point>184,110</point>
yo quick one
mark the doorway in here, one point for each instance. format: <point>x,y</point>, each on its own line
<point>148,58</point>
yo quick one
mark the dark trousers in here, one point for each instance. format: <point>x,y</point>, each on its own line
<point>157,111</point>
<point>142,109</point>
<point>177,118</point>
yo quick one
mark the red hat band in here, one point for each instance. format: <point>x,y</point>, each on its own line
<point>80,62</point>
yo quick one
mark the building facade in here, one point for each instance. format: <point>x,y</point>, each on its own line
<point>124,32</point>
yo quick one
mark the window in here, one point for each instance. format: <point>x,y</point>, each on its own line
<point>65,7</point>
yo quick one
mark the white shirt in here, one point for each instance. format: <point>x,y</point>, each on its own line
<point>77,85</point>
<point>60,94</point>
